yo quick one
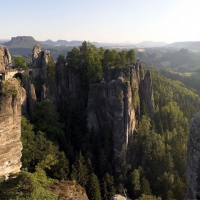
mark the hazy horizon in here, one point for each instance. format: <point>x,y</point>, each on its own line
<point>102,21</point>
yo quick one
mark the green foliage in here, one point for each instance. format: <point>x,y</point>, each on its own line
<point>192,81</point>
<point>47,120</point>
<point>51,75</point>
<point>41,155</point>
<point>130,56</point>
<point>86,61</point>
<point>166,90</point>
<point>158,149</point>
<point>118,59</point>
<point>80,171</point>
<point>24,186</point>
<point>7,89</point>
<point>93,189</point>
<point>135,184</point>
<point>61,58</point>
<point>108,187</point>
<point>19,62</point>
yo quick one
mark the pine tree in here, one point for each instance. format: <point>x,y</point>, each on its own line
<point>80,171</point>
<point>108,188</point>
<point>93,189</point>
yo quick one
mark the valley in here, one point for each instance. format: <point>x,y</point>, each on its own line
<point>100,120</point>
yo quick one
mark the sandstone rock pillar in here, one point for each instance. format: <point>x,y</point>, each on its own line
<point>10,126</point>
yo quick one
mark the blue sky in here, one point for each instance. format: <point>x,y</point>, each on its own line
<point>102,20</point>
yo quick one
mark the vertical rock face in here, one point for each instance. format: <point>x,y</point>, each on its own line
<point>5,59</point>
<point>11,98</point>
<point>40,60</point>
<point>193,162</point>
<point>114,103</point>
<point>37,56</point>
<point>148,93</point>
<point>32,99</point>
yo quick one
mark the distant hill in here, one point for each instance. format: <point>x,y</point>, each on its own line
<point>186,45</point>
<point>151,44</point>
<point>104,44</point>
<point>62,43</point>
<point>22,42</point>
<point>2,41</point>
<point>23,45</point>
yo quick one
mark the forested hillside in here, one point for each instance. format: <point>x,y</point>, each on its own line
<point>58,149</point>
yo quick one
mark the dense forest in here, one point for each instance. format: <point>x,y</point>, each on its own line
<point>58,147</point>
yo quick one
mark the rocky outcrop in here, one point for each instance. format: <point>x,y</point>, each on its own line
<point>68,190</point>
<point>32,99</point>
<point>40,86</point>
<point>67,82</point>
<point>37,56</point>
<point>147,93</point>
<point>115,103</point>
<point>11,99</point>
<point>118,197</point>
<point>5,59</point>
<point>40,60</point>
<point>193,161</point>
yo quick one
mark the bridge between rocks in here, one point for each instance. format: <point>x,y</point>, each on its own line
<point>11,73</point>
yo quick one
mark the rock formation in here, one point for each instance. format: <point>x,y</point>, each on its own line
<point>40,59</point>
<point>21,42</point>
<point>5,59</point>
<point>68,190</point>
<point>37,56</point>
<point>193,162</point>
<point>11,99</point>
<point>147,93</point>
<point>115,103</point>
<point>118,197</point>
<point>32,99</point>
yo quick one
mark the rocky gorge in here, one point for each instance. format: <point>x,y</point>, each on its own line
<point>118,106</point>
<point>114,102</point>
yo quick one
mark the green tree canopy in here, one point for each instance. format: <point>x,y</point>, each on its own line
<point>19,62</point>
<point>46,119</point>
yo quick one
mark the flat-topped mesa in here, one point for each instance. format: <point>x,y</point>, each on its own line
<point>115,103</point>
<point>193,160</point>
<point>12,97</point>
<point>5,59</point>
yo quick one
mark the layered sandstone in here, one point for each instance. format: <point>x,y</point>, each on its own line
<point>11,99</point>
